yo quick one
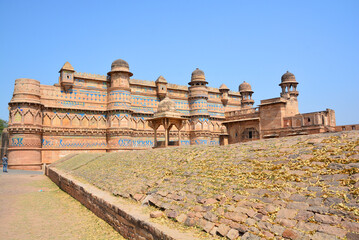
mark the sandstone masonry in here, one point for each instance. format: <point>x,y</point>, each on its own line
<point>94,113</point>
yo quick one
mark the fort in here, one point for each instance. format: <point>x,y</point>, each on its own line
<point>95,113</point>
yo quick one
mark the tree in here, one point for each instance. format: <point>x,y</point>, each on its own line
<point>3,124</point>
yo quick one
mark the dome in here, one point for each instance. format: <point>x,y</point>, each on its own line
<point>245,87</point>
<point>166,105</point>
<point>120,65</point>
<point>288,77</point>
<point>198,76</point>
<point>197,72</point>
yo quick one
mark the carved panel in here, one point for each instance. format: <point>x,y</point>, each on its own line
<point>85,122</point>
<point>47,120</point>
<point>56,122</point>
<point>28,118</point>
<point>17,117</point>
<point>102,123</point>
<point>66,122</point>
<point>76,121</point>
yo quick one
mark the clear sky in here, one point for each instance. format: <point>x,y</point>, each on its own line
<point>231,41</point>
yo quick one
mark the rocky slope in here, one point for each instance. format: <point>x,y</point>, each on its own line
<point>303,187</point>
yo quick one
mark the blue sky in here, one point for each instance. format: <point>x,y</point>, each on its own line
<point>231,41</point>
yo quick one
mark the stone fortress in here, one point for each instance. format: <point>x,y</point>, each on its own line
<point>95,113</point>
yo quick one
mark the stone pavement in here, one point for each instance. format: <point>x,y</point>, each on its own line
<point>302,187</point>
<point>20,172</point>
<point>32,207</point>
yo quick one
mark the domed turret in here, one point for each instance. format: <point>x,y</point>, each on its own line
<point>288,85</point>
<point>198,77</point>
<point>166,105</point>
<point>245,87</point>
<point>119,84</point>
<point>289,93</point>
<point>198,94</point>
<point>246,93</point>
<point>197,72</point>
<point>198,85</point>
<point>288,77</point>
<point>120,65</point>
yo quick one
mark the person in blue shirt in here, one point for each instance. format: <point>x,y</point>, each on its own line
<point>4,163</point>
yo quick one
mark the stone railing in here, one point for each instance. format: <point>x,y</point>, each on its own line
<point>242,113</point>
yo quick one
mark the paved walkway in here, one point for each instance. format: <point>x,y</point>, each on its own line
<point>32,207</point>
<point>20,172</point>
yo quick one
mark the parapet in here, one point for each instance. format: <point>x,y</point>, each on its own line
<point>273,101</point>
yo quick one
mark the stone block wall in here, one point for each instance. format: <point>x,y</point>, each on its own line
<point>271,115</point>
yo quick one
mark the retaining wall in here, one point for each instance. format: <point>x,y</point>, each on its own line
<point>129,220</point>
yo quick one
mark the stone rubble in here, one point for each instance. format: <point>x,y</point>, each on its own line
<point>303,187</point>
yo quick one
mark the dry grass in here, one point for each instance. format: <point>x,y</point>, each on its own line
<point>276,166</point>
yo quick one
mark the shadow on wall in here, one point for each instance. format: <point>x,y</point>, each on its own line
<point>4,142</point>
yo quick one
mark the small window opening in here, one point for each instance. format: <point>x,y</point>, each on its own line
<point>353,127</point>
<point>308,119</point>
<point>250,134</point>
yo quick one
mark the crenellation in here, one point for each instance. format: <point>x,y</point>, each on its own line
<point>97,113</point>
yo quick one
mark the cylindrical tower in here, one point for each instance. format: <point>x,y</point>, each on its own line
<point>25,125</point>
<point>119,97</point>
<point>198,96</point>
<point>119,106</point>
<point>246,94</point>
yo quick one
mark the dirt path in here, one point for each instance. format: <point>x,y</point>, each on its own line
<point>32,207</point>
